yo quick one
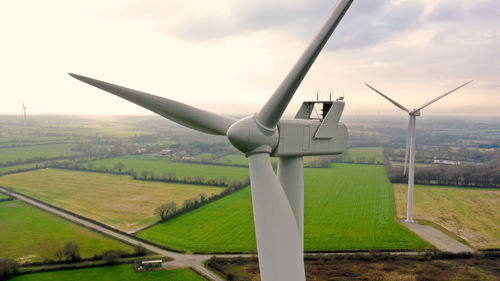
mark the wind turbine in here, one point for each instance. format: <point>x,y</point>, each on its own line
<point>278,201</point>
<point>410,142</point>
<point>24,113</point>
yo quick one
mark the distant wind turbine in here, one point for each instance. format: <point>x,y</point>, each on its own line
<point>410,143</point>
<point>24,113</point>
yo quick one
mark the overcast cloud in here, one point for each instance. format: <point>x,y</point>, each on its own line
<point>237,51</point>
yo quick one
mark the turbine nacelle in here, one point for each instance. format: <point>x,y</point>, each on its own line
<point>302,136</point>
<point>250,137</point>
<point>415,112</point>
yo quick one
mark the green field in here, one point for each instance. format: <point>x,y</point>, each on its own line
<point>366,154</point>
<point>123,272</point>
<point>471,213</point>
<point>203,156</point>
<point>116,200</point>
<point>29,234</point>
<point>161,165</point>
<point>234,159</point>
<point>347,207</point>
<point>32,151</point>
<point>3,196</point>
<point>22,167</point>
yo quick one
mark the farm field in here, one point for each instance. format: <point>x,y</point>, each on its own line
<point>30,234</point>
<point>161,165</point>
<point>116,200</point>
<point>121,133</point>
<point>123,272</point>
<point>369,154</point>
<point>21,167</point>
<point>240,159</point>
<point>32,151</point>
<point>234,159</point>
<point>343,211</point>
<point>203,156</point>
<point>223,225</point>
<point>471,213</point>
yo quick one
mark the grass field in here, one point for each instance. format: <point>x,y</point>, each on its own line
<point>123,272</point>
<point>203,156</point>
<point>27,152</point>
<point>116,200</point>
<point>3,196</point>
<point>162,165</point>
<point>369,154</point>
<point>30,234</point>
<point>347,207</point>
<point>239,159</point>
<point>16,168</point>
<point>234,159</point>
<point>471,213</point>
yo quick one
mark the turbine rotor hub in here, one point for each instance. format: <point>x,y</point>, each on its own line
<point>250,137</point>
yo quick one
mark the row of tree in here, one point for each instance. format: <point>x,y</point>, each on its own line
<point>427,154</point>
<point>120,168</point>
<point>170,209</point>
<point>172,177</point>
<point>71,253</point>
<point>473,175</point>
<point>84,151</point>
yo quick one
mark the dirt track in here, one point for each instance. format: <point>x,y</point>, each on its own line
<point>437,238</point>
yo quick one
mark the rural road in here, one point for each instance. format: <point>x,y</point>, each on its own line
<point>437,238</point>
<point>180,260</point>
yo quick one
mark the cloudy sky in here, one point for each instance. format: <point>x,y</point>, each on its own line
<point>230,55</point>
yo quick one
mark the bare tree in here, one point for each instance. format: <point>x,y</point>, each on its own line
<point>166,210</point>
<point>119,166</point>
<point>203,196</point>
<point>59,254</point>
<point>111,256</point>
<point>72,251</point>
<point>8,268</point>
<point>133,173</point>
<point>190,203</point>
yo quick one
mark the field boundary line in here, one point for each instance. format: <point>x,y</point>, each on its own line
<point>84,220</point>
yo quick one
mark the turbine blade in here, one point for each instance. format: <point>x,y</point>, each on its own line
<point>180,113</point>
<point>442,96</point>
<point>271,112</point>
<point>388,98</point>
<point>407,145</point>
<point>278,239</point>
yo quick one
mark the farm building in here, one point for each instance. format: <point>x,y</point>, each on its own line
<point>149,265</point>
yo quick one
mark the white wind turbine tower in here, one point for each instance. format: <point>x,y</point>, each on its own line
<point>278,201</point>
<point>410,143</point>
<point>24,113</point>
